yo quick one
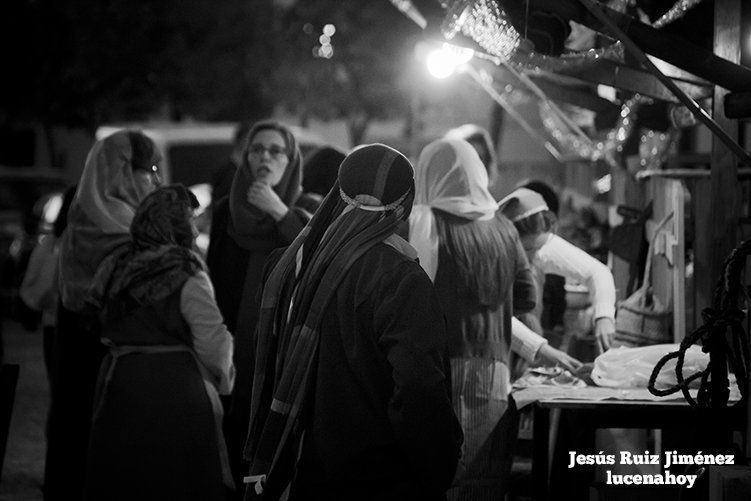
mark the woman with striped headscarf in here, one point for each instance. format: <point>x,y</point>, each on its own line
<point>350,353</point>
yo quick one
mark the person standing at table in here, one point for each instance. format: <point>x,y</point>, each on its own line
<point>552,254</point>
<point>260,214</point>
<point>481,273</point>
<point>120,171</point>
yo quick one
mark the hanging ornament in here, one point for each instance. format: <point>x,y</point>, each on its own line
<point>488,24</point>
<point>677,11</point>
<point>606,147</point>
<point>654,147</point>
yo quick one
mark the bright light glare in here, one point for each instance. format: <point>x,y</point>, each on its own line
<point>444,62</point>
<point>326,51</point>
<point>329,30</point>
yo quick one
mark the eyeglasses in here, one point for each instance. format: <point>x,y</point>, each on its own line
<point>273,150</point>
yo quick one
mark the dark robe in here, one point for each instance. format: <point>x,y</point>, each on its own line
<point>153,436</point>
<point>77,355</point>
<point>380,423</point>
<point>236,274</point>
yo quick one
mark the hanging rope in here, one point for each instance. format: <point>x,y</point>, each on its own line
<point>722,336</point>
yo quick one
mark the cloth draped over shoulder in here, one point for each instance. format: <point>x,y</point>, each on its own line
<point>159,258</point>
<point>99,217</point>
<point>377,184</point>
<point>249,226</point>
<point>150,272</point>
<point>456,183</point>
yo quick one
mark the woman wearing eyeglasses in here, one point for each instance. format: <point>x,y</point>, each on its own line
<point>259,215</point>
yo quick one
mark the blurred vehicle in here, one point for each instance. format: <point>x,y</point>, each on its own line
<point>193,154</point>
<point>30,199</point>
<point>193,151</point>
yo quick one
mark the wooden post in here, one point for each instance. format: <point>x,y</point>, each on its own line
<point>721,236</point>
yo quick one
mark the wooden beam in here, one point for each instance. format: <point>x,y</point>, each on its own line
<point>632,79</point>
<point>585,97</point>
<point>633,48</point>
<point>738,105</point>
<point>721,236</point>
<point>673,49</point>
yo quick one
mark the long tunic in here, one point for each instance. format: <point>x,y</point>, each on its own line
<point>480,343</point>
<point>155,432</point>
<point>380,424</point>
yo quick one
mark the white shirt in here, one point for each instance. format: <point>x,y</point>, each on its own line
<point>212,341</point>
<point>562,258</point>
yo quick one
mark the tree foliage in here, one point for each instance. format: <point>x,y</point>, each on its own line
<point>366,76</point>
<point>83,62</point>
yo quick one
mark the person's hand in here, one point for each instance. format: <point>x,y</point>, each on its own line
<point>552,356</point>
<point>604,332</point>
<point>265,198</point>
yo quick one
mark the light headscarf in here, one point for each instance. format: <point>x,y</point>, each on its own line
<point>449,176</point>
<point>100,215</point>
<point>522,203</point>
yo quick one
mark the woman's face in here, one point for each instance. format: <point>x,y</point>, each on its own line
<point>533,243</point>
<point>267,156</point>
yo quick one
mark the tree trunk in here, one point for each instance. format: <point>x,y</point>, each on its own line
<point>357,125</point>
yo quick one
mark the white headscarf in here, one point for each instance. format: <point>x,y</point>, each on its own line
<point>449,176</point>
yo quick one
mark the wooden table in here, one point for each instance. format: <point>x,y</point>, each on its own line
<point>599,414</point>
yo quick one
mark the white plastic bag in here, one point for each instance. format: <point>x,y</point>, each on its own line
<point>632,367</point>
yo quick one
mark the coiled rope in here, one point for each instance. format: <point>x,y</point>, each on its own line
<point>723,318</point>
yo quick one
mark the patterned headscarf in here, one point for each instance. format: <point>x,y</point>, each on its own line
<point>374,192</point>
<point>248,225</point>
<point>449,176</point>
<point>101,212</point>
<point>159,258</point>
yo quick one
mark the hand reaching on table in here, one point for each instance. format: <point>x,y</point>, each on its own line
<point>552,356</point>
<point>604,333</point>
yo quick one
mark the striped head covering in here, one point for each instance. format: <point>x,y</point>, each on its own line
<point>373,194</point>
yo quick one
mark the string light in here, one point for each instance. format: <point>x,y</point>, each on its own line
<point>607,148</point>
<point>677,11</point>
<point>325,49</point>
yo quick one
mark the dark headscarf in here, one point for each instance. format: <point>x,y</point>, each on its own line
<point>374,193</point>
<point>159,258</point>
<point>102,210</point>
<point>321,170</point>
<point>248,225</point>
